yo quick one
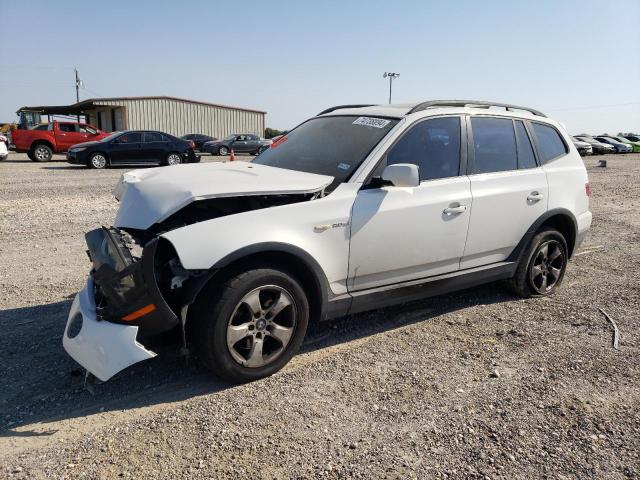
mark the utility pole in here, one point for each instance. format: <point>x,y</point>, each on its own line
<point>391,76</point>
<point>78,85</point>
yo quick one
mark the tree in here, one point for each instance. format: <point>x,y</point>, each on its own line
<point>272,132</point>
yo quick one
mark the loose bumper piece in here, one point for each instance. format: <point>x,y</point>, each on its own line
<point>103,348</point>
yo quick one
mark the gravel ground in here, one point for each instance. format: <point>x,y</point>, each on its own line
<point>476,384</point>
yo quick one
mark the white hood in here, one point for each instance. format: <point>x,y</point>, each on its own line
<point>151,195</point>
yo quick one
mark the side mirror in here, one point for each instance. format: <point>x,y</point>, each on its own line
<point>401,175</point>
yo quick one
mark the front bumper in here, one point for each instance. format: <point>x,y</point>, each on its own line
<point>102,347</point>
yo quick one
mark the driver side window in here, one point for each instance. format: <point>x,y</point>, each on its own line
<point>433,145</point>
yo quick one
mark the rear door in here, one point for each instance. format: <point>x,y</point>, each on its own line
<point>155,147</point>
<point>127,149</point>
<point>509,189</point>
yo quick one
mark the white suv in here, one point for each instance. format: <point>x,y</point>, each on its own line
<point>359,207</point>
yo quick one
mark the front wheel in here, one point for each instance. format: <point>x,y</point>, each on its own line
<point>542,266</point>
<point>251,326</point>
<point>98,161</point>
<point>223,150</point>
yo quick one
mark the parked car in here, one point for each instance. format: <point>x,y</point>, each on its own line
<point>198,139</point>
<point>240,143</point>
<point>583,148</point>
<point>599,148</point>
<point>4,148</point>
<point>241,257</point>
<point>42,141</point>
<point>619,146</point>
<point>134,147</point>
<point>632,137</point>
<point>635,146</point>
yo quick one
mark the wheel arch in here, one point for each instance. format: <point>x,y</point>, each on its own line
<point>41,141</point>
<point>561,219</point>
<point>289,258</point>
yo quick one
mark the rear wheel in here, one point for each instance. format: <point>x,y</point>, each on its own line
<point>542,266</point>
<point>223,150</point>
<point>98,161</point>
<point>41,153</point>
<point>251,326</point>
<point>173,159</point>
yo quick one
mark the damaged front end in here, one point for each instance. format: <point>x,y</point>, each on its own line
<point>120,301</point>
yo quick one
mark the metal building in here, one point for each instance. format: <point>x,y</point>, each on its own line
<point>177,116</point>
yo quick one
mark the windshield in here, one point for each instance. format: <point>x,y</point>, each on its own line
<point>230,137</point>
<point>333,146</point>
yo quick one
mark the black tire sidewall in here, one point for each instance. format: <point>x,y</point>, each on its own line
<point>214,318</point>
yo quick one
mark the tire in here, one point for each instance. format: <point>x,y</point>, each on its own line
<point>537,276</point>
<point>223,150</point>
<point>30,155</point>
<point>173,158</point>
<point>241,346</point>
<point>41,153</point>
<point>98,161</point>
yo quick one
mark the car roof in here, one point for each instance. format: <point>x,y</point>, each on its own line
<point>439,107</point>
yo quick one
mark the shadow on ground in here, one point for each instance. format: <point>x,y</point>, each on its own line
<point>41,383</point>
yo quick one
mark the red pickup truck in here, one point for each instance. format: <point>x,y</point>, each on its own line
<point>42,141</point>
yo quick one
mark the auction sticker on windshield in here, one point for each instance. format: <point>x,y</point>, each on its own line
<point>372,122</point>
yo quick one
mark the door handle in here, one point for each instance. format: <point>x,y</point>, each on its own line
<point>535,197</point>
<point>455,210</point>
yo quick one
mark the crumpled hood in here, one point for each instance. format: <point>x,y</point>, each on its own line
<point>150,196</point>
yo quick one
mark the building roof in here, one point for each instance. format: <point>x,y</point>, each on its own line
<point>90,103</point>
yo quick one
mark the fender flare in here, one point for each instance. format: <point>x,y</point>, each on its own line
<point>517,252</point>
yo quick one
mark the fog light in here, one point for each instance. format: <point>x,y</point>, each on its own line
<point>75,325</point>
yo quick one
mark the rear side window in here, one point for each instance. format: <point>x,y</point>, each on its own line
<point>433,145</point>
<point>67,127</point>
<point>494,145</point>
<point>153,137</point>
<point>526,158</point>
<point>550,145</point>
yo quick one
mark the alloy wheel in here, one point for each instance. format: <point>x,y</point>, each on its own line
<point>173,159</point>
<point>223,151</point>
<point>42,153</point>
<point>547,266</point>
<point>98,161</point>
<point>261,326</point>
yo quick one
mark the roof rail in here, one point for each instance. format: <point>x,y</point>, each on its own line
<point>340,107</point>
<point>471,103</point>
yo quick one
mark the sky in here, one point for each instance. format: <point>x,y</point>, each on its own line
<point>575,60</point>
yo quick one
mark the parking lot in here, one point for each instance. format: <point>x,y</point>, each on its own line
<point>477,384</point>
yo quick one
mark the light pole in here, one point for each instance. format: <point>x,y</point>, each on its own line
<point>78,85</point>
<point>391,77</point>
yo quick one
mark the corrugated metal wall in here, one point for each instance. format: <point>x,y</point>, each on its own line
<point>179,118</point>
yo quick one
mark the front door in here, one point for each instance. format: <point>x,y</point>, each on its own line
<point>401,234</point>
<point>240,144</point>
<point>509,190</point>
<point>127,148</point>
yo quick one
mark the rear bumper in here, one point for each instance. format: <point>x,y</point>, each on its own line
<point>584,224</point>
<point>102,347</point>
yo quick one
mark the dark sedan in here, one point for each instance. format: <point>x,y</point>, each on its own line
<point>198,139</point>
<point>618,145</point>
<point>133,148</point>
<point>240,143</point>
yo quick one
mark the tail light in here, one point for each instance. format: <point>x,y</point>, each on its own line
<point>587,189</point>
<point>191,144</point>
